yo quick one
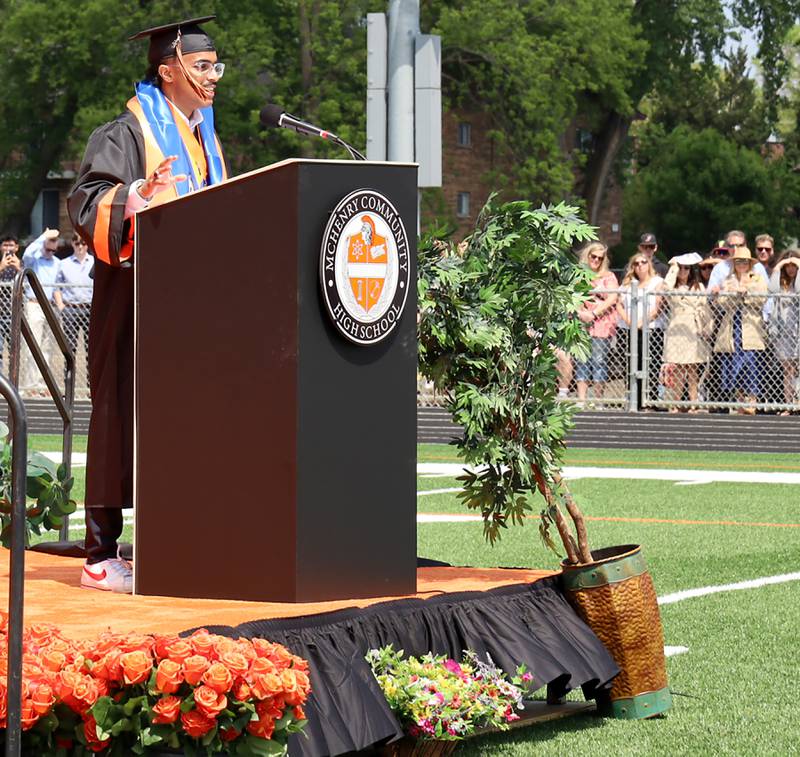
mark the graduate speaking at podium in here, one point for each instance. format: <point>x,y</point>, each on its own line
<point>162,147</point>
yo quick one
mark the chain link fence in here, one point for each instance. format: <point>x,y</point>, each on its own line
<point>686,351</point>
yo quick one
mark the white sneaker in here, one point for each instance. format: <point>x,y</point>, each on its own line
<point>114,574</point>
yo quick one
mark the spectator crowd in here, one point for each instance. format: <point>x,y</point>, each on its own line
<point>711,331</point>
<point>66,274</point>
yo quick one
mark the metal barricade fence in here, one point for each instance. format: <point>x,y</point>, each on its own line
<point>727,352</point>
<point>76,301</point>
<point>692,353</point>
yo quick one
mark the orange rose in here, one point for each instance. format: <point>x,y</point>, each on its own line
<point>3,705</point>
<point>179,650</point>
<point>262,647</point>
<point>108,667</point>
<point>241,690</point>
<point>196,724</point>
<point>266,685</point>
<point>273,707</point>
<point>29,715</point>
<point>90,731</point>
<point>244,647</point>
<point>219,678</point>
<point>166,709</point>
<point>53,660</point>
<point>169,676</point>
<point>235,662</point>
<point>84,694</point>
<point>295,686</point>
<point>299,712</point>
<point>223,645</point>
<point>203,644</point>
<point>136,666</point>
<point>43,698</point>
<point>209,702</point>
<point>3,621</point>
<point>263,728</point>
<point>40,634</point>
<point>161,643</point>
<point>260,666</point>
<point>229,734</point>
<point>194,667</point>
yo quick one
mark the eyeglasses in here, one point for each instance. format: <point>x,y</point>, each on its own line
<point>205,67</point>
<point>685,267</point>
<point>647,246</point>
<point>81,243</point>
<point>598,258</point>
<point>640,262</point>
<point>723,253</point>
<point>746,261</point>
<point>764,249</point>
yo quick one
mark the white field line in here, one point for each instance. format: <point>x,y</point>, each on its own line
<point>670,651</point>
<point>574,472</point>
<point>78,458</point>
<point>755,583</point>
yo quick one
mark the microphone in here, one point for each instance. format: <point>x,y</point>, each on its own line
<point>275,116</point>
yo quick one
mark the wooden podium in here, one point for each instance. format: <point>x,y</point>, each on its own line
<point>274,458</point>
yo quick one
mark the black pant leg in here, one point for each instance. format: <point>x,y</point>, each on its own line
<point>103,529</point>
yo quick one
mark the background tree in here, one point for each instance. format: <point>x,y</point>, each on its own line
<point>532,64</point>
<point>69,68</point>
<point>699,184</point>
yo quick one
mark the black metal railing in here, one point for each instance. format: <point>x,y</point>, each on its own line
<point>16,589</point>
<point>20,329</point>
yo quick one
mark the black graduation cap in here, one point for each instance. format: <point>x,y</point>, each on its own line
<point>163,39</point>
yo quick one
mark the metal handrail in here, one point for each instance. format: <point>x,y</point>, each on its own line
<point>16,589</point>
<point>21,328</point>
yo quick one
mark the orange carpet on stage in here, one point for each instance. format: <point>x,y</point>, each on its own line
<point>53,595</point>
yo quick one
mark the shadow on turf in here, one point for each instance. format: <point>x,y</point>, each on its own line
<point>533,734</point>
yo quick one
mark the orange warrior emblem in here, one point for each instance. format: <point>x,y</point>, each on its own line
<point>366,264</point>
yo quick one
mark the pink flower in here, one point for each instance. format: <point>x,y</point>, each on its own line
<point>453,667</point>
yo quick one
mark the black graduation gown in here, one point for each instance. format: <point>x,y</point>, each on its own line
<point>114,155</point>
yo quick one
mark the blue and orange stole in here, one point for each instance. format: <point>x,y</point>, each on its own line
<point>165,133</point>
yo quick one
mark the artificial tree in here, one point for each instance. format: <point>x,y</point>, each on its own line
<point>493,311</point>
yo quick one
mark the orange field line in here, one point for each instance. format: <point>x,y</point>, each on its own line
<point>655,463</point>
<point>671,521</point>
<point>682,522</point>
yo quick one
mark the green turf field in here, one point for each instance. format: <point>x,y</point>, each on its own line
<point>739,673</point>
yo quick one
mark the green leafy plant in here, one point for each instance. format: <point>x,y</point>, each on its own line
<point>47,484</point>
<point>493,312</point>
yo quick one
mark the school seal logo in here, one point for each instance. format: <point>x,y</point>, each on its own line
<point>364,266</point>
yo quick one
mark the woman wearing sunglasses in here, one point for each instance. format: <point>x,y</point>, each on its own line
<point>741,338</point>
<point>599,315</point>
<point>649,283</point>
<point>691,322</point>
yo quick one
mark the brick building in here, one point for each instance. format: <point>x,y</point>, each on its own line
<point>468,157</point>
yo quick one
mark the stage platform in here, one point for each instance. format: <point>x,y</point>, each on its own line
<point>516,616</point>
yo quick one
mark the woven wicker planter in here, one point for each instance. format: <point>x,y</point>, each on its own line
<point>615,597</point>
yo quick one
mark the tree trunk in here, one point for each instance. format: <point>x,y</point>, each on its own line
<point>609,142</point>
<point>577,518</point>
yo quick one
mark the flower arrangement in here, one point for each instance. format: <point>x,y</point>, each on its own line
<point>439,698</point>
<point>124,694</point>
